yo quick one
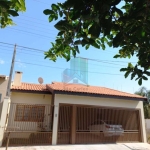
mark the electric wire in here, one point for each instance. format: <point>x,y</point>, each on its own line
<point>65,68</point>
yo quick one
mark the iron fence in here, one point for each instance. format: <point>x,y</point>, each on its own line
<point>29,124</point>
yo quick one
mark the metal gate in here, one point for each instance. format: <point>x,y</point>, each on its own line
<point>64,124</point>
<point>85,116</point>
<point>29,124</point>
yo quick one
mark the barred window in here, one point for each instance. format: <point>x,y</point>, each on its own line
<point>32,113</point>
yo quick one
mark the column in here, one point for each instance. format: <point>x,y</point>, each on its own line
<point>55,125</point>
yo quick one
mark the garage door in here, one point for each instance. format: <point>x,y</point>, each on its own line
<point>89,121</point>
<point>81,125</point>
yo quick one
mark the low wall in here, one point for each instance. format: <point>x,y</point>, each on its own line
<point>147,125</point>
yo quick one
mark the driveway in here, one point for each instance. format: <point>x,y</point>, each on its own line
<point>120,146</point>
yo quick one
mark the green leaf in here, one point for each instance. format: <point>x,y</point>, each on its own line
<point>140,81</point>
<point>144,78</point>
<point>95,45</point>
<point>95,30</point>
<point>133,75</point>
<point>127,74</point>
<point>13,13</point>
<point>116,56</point>
<point>118,11</point>
<point>143,33</point>
<point>115,2</point>
<point>147,73</point>
<point>77,49</point>
<point>123,69</point>
<point>60,33</point>
<point>55,7</point>
<point>103,46</point>
<point>61,25</point>
<point>87,46</point>
<point>130,65</point>
<point>51,17</point>
<point>116,40</point>
<point>48,12</point>
<point>60,13</point>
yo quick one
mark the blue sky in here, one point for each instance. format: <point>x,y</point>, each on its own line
<point>33,30</point>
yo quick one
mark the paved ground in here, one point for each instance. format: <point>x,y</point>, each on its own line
<point>127,146</point>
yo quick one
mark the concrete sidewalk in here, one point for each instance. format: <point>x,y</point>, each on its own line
<point>119,146</point>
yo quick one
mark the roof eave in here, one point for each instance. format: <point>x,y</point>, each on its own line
<point>30,91</point>
<point>99,95</point>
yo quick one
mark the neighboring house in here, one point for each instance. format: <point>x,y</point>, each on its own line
<point>60,113</point>
<point>3,86</point>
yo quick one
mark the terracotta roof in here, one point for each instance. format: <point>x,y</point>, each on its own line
<point>29,87</point>
<point>74,88</point>
<point>80,88</point>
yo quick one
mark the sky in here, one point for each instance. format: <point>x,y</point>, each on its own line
<point>32,30</point>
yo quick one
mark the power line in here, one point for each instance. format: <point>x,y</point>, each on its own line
<point>31,33</point>
<point>64,61</point>
<point>61,60</point>
<point>46,23</point>
<point>54,34</point>
<point>24,15</point>
<point>97,60</point>
<point>20,50</point>
<point>104,60</point>
<point>65,68</point>
<point>6,46</point>
<point>23,47</point>
<point>32,23</point>
<point>45,30</point>
<point>41,2</point>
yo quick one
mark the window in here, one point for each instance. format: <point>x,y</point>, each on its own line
<point>32,113</point>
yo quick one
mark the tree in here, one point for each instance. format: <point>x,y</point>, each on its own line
<point>8,9</point>
<point>99,23</point>
<point>145,93</point>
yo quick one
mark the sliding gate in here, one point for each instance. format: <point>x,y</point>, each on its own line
<point>75,124</point>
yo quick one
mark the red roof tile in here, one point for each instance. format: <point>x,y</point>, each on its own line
<point>29,87</point>
<point>80,88</point>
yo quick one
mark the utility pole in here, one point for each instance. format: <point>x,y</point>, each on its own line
<point>11,72</point>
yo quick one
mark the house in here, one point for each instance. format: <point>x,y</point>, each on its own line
<point>3,86</point>
<point>60,113</point>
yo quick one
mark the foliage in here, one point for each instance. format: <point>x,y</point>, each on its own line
<point>8,9</point>
<point>145,93</point>
<point>99,23</point>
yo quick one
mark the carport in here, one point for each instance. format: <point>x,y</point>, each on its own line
<point>74,122</point>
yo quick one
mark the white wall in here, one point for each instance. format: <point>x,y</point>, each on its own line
<point>3,87</point>
<point>71,99</point>
<point>147,124</point>
<point>28,98</point>
<point>31,98</point>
